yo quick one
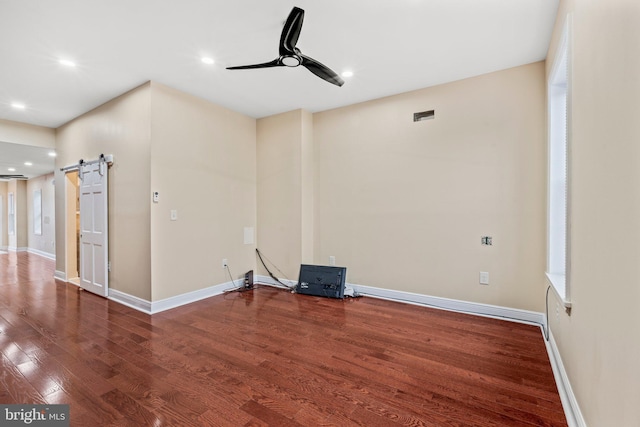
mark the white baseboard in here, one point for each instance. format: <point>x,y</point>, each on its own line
<point>153,307</point>
<point>189,297</point>
<point>15,249</point>
<point>567,397</point>
<point>266,280</point>
<point>60,275</point>
<point>513,314</point>
<point>130,301</point>
<point>42,254</point>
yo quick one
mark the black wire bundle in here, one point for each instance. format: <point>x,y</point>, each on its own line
<point>269,271</point>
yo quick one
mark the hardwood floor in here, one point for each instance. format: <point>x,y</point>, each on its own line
<point>265,358</point>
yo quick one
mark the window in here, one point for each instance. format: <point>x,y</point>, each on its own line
<point>559,114</point>
<point>37,212</point>
<point>12,214</point>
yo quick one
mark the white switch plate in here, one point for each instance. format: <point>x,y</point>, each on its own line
<point>174,215</point>
<point>332,260</point>
<point>484,277</point>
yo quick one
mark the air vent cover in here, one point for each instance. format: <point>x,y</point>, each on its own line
<point>424,115</point>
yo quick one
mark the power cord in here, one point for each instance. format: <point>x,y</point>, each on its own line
<point>270,273</point>
<point>235,288</point>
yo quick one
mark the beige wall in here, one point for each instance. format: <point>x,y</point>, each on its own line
<point>403,205</point>
<point>599,341</point>
<point>203,164</point>
<point>44,243</point>
<point>22,133</point>
<point>199,157</point>
<point>120,127</point>
<point>285,191</point>
<point>307,190</point>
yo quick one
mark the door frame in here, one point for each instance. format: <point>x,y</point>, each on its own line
<point>73,218</point>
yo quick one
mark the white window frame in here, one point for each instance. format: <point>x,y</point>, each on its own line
<point>559,168</point>
<point>37,212</point>
<point>11,220</point>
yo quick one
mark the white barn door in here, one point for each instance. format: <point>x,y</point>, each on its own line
<point>94,253</point>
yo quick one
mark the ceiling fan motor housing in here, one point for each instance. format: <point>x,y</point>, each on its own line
<point>291,61</point>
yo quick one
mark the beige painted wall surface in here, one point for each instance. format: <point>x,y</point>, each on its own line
<point>307,190</point>
<point>599,341</point>
<point>403,205</point>
<point>44,243</point>
<point>203,165</point>
<point>26,134</point>
<point>120,127</point>
<point>280,202</point>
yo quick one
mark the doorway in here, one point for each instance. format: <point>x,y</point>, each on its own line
<point>87,225</point>
<point>73,226</point>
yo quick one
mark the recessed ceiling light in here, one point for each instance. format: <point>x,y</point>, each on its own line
<point>28,164</point>
<point>347,74</point>
<point>18,106</point>
<point>11,169</point>
<point>207,60</point>
<point>52,153</point>
<point>67,63</point>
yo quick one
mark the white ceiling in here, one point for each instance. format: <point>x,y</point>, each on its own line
<point>15,155</point>
<point>392,46</point>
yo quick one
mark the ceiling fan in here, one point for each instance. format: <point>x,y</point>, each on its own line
<point>290,55</point>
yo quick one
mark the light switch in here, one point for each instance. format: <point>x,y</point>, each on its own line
<point>174,215</point>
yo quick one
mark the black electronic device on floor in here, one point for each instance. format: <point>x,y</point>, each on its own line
<point>322,280</point>
<point>248,280</point>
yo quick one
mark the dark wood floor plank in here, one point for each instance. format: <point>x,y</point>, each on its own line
<point>265,358</point>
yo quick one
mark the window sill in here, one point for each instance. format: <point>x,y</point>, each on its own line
<point>558,283</point>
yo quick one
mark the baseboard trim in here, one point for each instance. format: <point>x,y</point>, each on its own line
<point>189,297</point>
<point>567,397</point>
<point>16,249</point>
<point>130,301</point>
<point>486,310</point>
<point>60,275</point>
<point>42,254</point>
<point>153,307</point>
<point>267,280</point>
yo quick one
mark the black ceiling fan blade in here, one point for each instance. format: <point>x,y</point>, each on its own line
<point>274,63</point>
<point>291,32</point>
<point>321,70</point>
